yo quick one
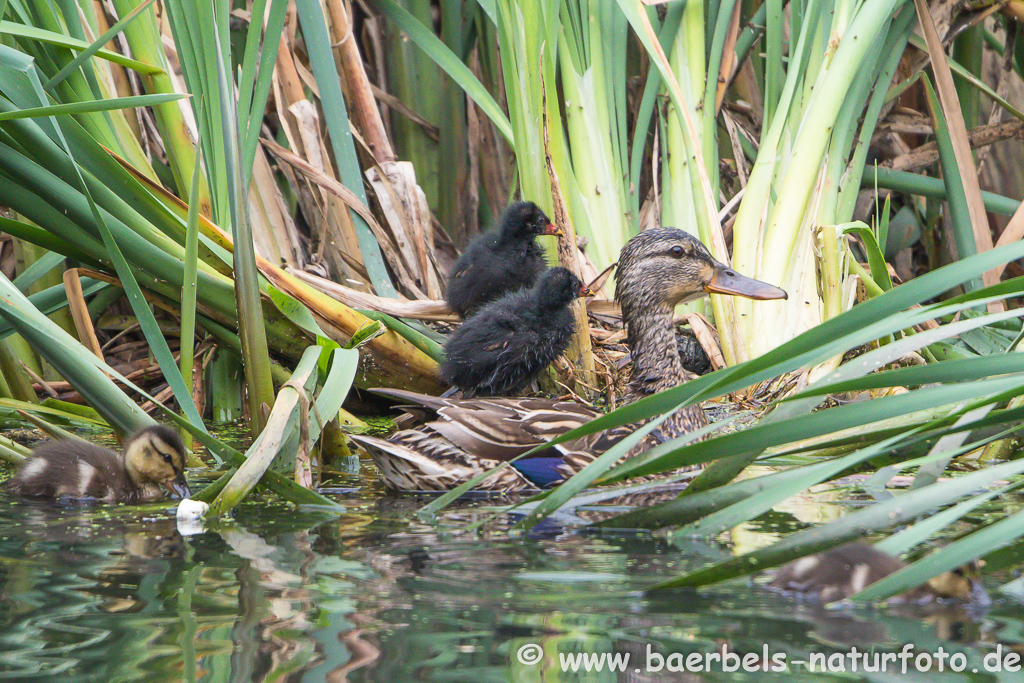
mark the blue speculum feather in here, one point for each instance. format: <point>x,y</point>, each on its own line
<point>541,472</point>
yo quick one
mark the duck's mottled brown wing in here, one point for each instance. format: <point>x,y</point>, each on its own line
<point>473,435</point>
<point>501,428</point>
<point>414,460</point>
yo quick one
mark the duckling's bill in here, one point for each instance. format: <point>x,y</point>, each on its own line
<point>728,281</point>
<point>178,486</point>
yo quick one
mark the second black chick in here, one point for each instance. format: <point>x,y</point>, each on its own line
<point>501,349</point>
<point>505,259</point>
<point>691,353</point>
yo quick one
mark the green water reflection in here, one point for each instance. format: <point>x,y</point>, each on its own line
<point>117,594</point>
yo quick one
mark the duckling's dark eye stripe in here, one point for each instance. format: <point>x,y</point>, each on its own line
<point>168,458</point>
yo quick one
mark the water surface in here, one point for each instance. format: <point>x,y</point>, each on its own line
<point>99,594</point>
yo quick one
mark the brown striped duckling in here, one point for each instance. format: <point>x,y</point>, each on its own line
<point>78,470</point>
<point>840,572</point>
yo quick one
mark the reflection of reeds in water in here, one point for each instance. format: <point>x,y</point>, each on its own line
<point>76,580</point>
<point>114,595</point>
<point>314,594</point>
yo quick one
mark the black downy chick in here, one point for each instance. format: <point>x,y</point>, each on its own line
<point>505,259</point>
<point>501,349</point>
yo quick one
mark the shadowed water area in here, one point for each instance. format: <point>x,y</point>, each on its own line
<point>97,594</point>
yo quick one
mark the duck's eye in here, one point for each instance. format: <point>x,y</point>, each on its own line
<point>677,251</point>
<point>167,457</point>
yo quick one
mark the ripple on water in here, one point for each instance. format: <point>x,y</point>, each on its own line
<point>104,594</point>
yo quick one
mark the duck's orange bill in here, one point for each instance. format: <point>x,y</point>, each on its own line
<point>728,281</point>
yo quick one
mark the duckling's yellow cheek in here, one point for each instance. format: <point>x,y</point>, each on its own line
<point>950,585</point>
<point>156,470</point>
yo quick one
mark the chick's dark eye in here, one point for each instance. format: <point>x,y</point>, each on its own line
<point>167,457</point>
<point>676,251</point>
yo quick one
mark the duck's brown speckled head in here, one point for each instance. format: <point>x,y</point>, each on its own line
<point>668,266</point>
<point>658,269</point>
<point>156,456</point>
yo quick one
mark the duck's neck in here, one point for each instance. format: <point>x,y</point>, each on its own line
<point>656,363</point>
<point>653,350</point>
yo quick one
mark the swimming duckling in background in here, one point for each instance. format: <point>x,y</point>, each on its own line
<point>505,259</point>
<point>78,470</point>
<point>503,348</point>
<point>841,572</point>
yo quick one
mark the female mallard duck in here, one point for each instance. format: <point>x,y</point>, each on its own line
<point>503,348</point>
<point>500,261</point>
<point>841,572</point>
<point>78,470</point>
<point>658,269</point>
